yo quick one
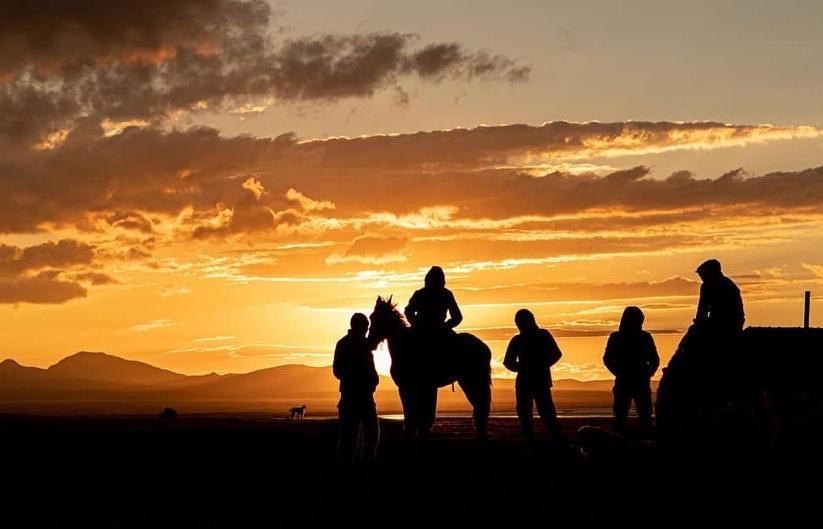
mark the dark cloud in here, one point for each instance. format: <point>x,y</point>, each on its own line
<point>94,278</point>
<point>45,287</point>
<point>34,274</point>
<point>130,220</point>
<point>506,333</point>
<point>580,291</point>
<point>143,60</point>
<point>67,252</point>
<point>129,177</point>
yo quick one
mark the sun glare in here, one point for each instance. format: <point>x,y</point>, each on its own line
<point>382,359</point>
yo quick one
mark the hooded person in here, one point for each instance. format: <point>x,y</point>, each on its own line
<point>631,356</point>
<point>721,306</point>
<point>531,354</point>
<point>433,307</point>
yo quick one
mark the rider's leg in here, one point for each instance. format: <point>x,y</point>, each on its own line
<point>408,401</point>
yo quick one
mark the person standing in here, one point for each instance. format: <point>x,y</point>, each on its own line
<point>531,354</point>
<point>631,356</point>
<point>354,367</point>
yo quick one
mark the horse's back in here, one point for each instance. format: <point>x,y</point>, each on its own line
<point>474,346</point>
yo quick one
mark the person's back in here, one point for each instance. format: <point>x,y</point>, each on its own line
<point>721,304</point>
<point>429,307</point>
<point>354,365</point>
<point>535,351</point>
<point>631,356</point>
<point>530,354</point>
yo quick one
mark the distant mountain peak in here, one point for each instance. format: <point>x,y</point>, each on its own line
<point>107,367</point>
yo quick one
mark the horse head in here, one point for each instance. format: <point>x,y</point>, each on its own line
<point>385,320</point>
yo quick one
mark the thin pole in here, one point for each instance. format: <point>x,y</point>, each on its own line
<point>806,309</point>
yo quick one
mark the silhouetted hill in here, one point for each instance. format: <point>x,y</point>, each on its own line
<point>104,367</point>
<point>85,378</point>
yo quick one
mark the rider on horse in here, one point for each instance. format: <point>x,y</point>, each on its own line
<point>427,312</point>
<point>428,307</point>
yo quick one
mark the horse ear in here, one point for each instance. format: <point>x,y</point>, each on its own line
<point>390,299</point>
<point>379,300</point>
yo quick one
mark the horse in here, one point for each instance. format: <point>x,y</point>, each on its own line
<point>418,371</point>
<point>298,412</point>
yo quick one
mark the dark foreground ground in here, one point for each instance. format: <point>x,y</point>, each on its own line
<point>256,472</point>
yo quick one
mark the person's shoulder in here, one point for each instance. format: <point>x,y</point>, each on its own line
<point>646,335</point>
<point>730,283</point>
<point>545,334</point>
<point>344,341</point>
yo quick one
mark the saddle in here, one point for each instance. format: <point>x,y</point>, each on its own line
<point>436,351</point>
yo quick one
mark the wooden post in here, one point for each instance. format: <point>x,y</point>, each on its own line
<point>807,309</point>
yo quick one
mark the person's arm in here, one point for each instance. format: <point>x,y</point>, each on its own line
<point>654,357</point>
<point>510,361</point>
<point>411,309</point>
<point>554,349</point>
<point>455,316</point>
<point>610,355</point>
<point>338,363</point>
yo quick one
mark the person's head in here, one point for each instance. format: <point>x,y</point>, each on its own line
<point>359,324</point>
<point>709,270</point>
<point>632,319</point>
<point>524,319</point>
<point>435,278</point>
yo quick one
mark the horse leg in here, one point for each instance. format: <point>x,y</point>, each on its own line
<point>478,393</point>
<point>407,400</point>
<point>428,411</point>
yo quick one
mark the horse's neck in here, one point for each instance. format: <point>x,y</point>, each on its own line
<point>396,340</point>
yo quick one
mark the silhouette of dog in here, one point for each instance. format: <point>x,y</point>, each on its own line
<point>298,412</point>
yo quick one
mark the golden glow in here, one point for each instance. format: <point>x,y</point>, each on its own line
<point>382,359</point>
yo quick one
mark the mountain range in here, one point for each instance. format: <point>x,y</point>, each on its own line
<point>94,381</point>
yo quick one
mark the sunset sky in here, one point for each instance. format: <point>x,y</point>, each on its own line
<point>217,185</point>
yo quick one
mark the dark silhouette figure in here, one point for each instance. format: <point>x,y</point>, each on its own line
<point>429,306</point>
<point>531,354</point>
<point>297,412</point>
<point>168,413</point>
<point>631,356</point>
<point>354,367</point>
<point>418,374</point>
<point>720,308</point>
<point>708,375</point>
<point>433,314</point>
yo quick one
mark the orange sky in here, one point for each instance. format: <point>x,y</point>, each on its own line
<point>167,196</point>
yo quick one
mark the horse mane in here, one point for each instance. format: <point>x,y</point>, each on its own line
<point>399,316</point>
